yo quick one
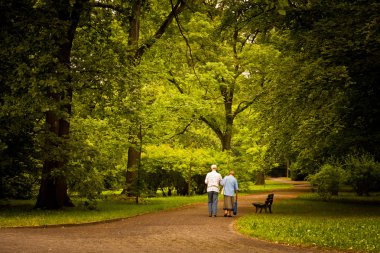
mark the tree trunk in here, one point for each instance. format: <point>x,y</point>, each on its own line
<point>134,154</point>
<point>287,168</point>
<point>189,182</point>
<point>226,141</point>
<point>131,175</point>
<point>53,189</point>
<point>260,178</point>
<point>228,95</point>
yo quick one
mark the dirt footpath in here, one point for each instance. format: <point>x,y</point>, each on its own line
<point>186,229</point>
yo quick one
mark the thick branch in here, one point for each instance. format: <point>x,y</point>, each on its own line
<point>176,84</point>
<point>177,9</point>
<point>183,131</point>
<point>75,16</point>
<point>245,104</point>
<point>213,126</point>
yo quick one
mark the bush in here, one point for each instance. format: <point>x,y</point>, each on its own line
<point>327,180</point>
<point>20,186</point>
<point>300,169</point>
<point>364,173</point>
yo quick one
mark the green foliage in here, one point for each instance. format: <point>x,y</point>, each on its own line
<point>364,173</point>
<point>307,221</point>
<point>327,180</point>
<point>24,60</point>
<point>21,186</point>
<point>96,157</point>
<point>181,169</point>
<point>314,112</point>
<point>268,80</point>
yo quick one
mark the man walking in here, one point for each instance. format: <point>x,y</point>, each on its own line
<point>213,180</point>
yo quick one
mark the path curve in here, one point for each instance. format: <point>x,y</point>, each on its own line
<point>186,229</point>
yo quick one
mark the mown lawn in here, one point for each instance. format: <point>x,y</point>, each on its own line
<point>345,223</point>
<point>18,213</point>
<point>251,188</point>
<point>22,213</point>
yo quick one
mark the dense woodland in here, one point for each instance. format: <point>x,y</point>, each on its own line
<point>144,95</point>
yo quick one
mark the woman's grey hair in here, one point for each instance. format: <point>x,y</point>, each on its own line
<point>214,167</point>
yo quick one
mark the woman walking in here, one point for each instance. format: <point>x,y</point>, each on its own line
<point>230,185</point>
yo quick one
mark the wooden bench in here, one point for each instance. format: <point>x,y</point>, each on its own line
<point>268,204</point>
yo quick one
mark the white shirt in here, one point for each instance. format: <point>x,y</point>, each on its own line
<point>212,180</point>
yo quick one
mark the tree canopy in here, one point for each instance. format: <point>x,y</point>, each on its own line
<point>146,95</point>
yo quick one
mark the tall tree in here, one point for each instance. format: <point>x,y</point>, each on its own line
<point>57,23</point>
<point>138,49</point>
<point>222,41</point>
<point>53,189</point>
<point>317,113</point>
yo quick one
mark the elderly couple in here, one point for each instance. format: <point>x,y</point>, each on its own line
<point>230,187</point>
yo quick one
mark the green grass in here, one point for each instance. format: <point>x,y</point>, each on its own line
<point>21,213</point>
<point>346,223</point>
<point>269,185</point>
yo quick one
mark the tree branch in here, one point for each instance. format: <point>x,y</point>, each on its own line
<point>213,126</point>
<point>177,9</point>
<point>183,131</point>
<point>245,104</point>
<point>176,84</point>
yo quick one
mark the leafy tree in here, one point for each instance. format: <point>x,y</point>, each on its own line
<point>37,38</point>
<point>224,71</point>
<point>61,67</point>
<point>314,115</point>
<point>137,49</point>
<point>61,19</point>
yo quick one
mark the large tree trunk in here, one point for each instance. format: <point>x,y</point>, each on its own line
<point>134,156</point>
<point>53,189</point>
<point>226,141</point>
<point>260,178</point>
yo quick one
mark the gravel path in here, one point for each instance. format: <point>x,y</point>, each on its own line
<point>186,229</point>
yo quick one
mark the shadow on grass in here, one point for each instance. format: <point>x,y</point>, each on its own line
<point>346,205</point>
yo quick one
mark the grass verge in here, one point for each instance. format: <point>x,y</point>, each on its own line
<point>268,186</point>
<point>19,213</point>
<point>345,223</point>
<point>22,213</point>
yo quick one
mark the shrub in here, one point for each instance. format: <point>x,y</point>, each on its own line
<point>327,180</point>
<point>364,173</point>
<point>300,169</point>
<point>20,186</point>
